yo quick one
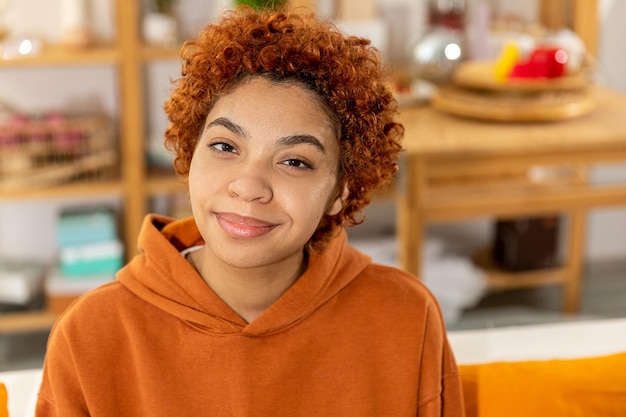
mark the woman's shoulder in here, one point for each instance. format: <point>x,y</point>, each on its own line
<point>389,281</point>
<point>94,305</point>
<point>392,295</point>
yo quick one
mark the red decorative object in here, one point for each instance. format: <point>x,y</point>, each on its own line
<point>543,62</point>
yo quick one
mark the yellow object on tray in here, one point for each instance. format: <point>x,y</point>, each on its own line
<point>593,386</point>
<point>505,62</point>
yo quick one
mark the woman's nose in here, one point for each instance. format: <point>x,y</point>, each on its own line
<point>250,187</point>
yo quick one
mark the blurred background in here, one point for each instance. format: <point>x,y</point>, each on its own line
<point>85,81</point>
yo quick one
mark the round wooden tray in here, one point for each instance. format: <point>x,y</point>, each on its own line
<point>526,106</point>
<point>481,75</point>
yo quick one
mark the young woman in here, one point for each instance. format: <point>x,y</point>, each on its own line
<point>257,306</point>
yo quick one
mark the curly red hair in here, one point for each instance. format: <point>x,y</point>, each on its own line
<point>344,72</point>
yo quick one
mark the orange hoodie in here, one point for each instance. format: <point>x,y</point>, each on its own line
<point>349,338</point>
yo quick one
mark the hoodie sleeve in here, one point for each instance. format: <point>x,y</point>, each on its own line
<point>441,392</point>
<point>60,393</point>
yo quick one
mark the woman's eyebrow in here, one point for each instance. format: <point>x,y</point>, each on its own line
<point>284,141</point>
<point>228,124</point>
<point>306,139</point>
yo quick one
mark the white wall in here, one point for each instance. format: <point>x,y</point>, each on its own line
<point>607,227</point>
<point>27,227</point>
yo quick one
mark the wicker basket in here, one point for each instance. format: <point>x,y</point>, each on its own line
<point>55,150</point>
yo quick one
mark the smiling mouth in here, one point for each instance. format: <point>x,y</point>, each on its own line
<point>243,227</point>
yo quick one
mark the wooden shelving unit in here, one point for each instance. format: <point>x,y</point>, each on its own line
<point>128,56</point>
<point>136,184</point>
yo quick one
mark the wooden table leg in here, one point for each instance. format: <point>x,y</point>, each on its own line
<point>575,260</point>
<point>409,224</point>
<point>410,235</point>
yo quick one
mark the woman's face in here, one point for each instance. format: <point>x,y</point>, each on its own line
<point>264,173</point>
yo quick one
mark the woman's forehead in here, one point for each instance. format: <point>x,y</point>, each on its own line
<point>280,81</point>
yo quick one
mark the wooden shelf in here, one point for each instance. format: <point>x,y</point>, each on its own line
<point>151,53</point>
<point>77,189</point>
<point>26,322</point>
<point>498,279</point>
<point>164,183</point>
<point>60,55</point>
<point>502,280</point>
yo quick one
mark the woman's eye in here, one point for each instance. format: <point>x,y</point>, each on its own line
<point>296,163</point>
<point>223,147</point>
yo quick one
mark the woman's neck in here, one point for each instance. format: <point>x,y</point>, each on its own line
<point>248,291</point>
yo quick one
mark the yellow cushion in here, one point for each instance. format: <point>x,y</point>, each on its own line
<point>566,387</point>
<point>4,400</point>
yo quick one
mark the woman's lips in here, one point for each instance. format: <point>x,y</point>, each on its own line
<point>243,227</point>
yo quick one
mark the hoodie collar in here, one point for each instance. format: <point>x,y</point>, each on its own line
<point>161,276</point>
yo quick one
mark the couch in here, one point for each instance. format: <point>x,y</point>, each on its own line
<point>566,369</point>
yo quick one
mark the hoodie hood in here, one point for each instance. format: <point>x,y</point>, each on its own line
<point>161,276</point>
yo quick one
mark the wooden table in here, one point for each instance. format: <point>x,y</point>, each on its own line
<point>457,169</point>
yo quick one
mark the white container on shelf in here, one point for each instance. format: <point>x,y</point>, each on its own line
<point>76,31</point>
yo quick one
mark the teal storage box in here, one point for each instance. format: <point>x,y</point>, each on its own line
<point>86,226</point>
<point>103,258</point>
